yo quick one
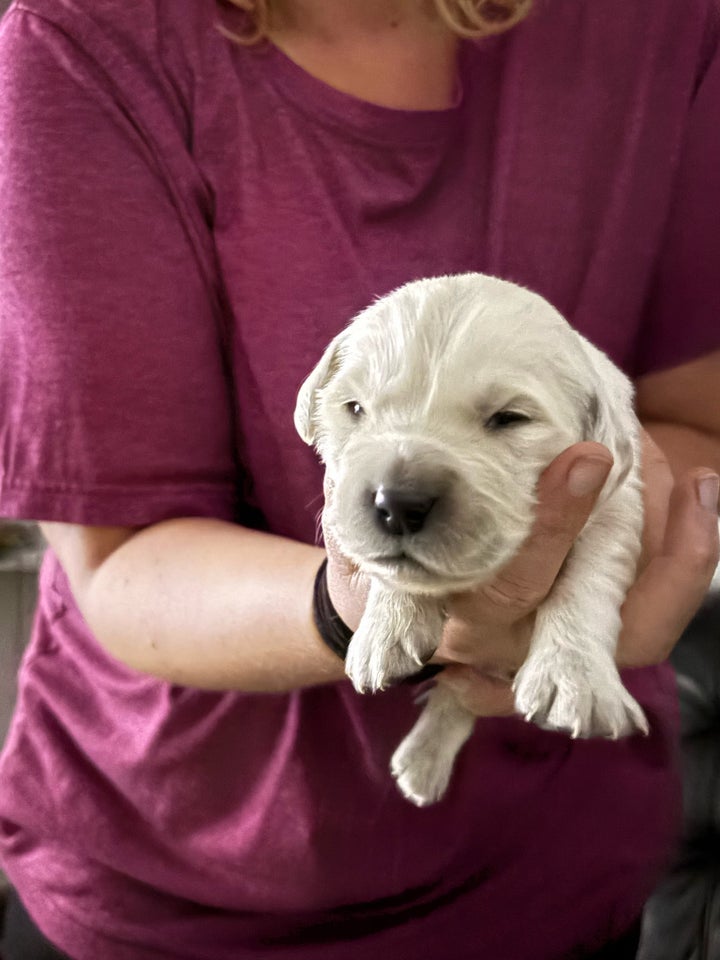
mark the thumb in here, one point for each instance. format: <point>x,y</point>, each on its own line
<point>566,494</point>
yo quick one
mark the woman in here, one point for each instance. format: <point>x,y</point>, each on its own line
<point>190,213</point>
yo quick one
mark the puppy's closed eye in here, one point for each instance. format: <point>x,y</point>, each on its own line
<point>506,418</point>
<point>355,409</point>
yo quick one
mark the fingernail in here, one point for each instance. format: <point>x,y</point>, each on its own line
<point>587,475</point>
<point>708,489</point>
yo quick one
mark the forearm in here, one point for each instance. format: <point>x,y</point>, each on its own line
<point>208,604</point>
<point>685,447</point>
<point>679,409</point>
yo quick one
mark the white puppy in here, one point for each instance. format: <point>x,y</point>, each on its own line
<point>435,412</point>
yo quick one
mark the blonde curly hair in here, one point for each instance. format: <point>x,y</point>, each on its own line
<point>467,18</point>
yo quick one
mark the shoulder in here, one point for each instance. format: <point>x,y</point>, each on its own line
<point>165,38</point>
<point>644,25</point>
<point>624,12</point>
<point>150,56</point>
<point>619,48</point>
<point>139,18</point>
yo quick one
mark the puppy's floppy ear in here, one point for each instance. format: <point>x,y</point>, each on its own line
<point>306,406</point>
<point>610,416</point>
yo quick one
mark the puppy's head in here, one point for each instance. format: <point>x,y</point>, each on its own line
<point>435,412</point>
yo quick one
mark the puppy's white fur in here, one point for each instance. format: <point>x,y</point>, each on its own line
<point>408,399</point>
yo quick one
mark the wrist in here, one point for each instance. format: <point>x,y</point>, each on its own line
<point>334,632</point>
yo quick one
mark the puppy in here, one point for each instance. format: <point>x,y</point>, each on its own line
<point>435,412</point>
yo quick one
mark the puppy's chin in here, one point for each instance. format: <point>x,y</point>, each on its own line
<point>410,573</point>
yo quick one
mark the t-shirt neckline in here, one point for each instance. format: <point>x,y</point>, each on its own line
<point>363,118</point>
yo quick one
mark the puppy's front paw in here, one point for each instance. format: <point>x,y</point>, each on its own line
<point>396,637</point>
<point>584,697</point>
<point>375,660</point>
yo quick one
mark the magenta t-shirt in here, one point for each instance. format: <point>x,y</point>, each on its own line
<point>173,206</point>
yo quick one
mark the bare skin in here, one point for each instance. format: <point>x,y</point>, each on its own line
<point>396,54</point>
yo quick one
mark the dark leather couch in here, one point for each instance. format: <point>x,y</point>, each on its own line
<point>682,919</point>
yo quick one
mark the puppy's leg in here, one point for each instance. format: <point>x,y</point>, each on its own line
<point>569,680</point>
<point>423,762</point>
<point>397,635</point>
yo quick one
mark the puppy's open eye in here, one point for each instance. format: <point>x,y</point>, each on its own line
<point>354,409</point>
<point>505,418</point>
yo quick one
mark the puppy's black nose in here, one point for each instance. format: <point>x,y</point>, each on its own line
<point>399,512</point>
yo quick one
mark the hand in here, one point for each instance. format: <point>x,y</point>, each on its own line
<point>488,633</point>
<point>680,554</point>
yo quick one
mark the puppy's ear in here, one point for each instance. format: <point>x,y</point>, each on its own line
<point>610,416</point>
<point>306,406</point>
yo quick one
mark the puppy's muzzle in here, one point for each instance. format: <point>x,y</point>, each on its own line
<point>401,510</point>
<point>399,513</point>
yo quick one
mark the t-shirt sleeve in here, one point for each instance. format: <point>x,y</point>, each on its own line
<point>114,404</point>
<point>682,320</point>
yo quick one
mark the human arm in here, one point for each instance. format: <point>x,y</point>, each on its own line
<point>680,409</point>
<point>200,602</point>
<point>207,603</point>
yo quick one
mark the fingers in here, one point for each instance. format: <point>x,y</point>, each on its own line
<point>671,588</point>
<point>567,492</point>
<point>482,695</point>
<point>658,484</point>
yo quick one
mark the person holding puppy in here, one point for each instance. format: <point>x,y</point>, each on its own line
<point>195,197</point>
